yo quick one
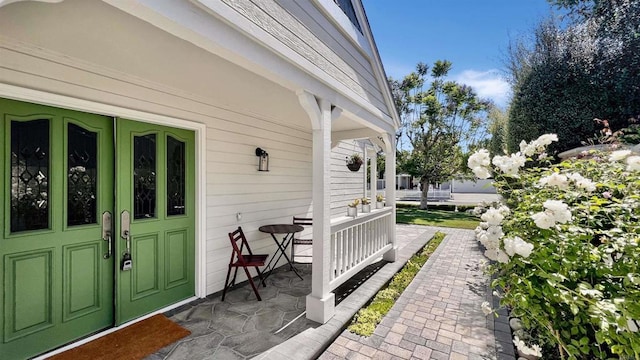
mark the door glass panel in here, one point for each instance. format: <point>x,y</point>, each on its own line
<point>175,176</point>
<point>81,176</point>
<point>29,175</point>
<point>144,176</point>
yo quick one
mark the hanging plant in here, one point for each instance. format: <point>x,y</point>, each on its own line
<point>354,162</point>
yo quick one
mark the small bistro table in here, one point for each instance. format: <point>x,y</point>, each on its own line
<point>288,230</point>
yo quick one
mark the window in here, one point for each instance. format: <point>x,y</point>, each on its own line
<point>347,9</point>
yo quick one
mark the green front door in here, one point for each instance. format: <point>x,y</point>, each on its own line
<point>61,271</point>
<point>155,204</point>
<point>56,183</point>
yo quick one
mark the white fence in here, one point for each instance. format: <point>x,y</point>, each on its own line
<point>356,243</point>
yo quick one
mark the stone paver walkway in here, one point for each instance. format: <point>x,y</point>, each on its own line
<point>439,315</point>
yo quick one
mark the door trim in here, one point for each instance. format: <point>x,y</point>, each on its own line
<point>66,102</point>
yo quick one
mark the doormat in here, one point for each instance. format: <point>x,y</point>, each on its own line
<point>131,343</point>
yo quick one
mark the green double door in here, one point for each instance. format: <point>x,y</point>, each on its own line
<point>81,195</point>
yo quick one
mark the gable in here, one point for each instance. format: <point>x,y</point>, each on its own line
<point>326,44</point>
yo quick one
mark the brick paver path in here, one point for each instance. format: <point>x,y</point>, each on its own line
<point>438,316</point>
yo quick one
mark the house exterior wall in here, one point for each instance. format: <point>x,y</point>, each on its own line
<point>469,186</point>
<point>233,130</point>
<point>346,185</point>
<point>303,28</point>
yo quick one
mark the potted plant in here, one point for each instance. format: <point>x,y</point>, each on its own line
<point>366,207</point>
<point>379,201</point>
<point>352,209</point>
<point>354,162</point>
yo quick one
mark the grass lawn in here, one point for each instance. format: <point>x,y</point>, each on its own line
<point>435,217</point>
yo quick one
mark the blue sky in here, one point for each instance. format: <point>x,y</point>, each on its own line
<point>472,34</point>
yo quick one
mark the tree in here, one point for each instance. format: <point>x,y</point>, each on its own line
<point>567,76</point>
<point>498,120</point>
<point>440,123</point>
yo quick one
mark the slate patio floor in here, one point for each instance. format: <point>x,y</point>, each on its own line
<point>243,328</point>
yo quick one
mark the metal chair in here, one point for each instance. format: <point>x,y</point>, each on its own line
<point>296,241</point>
<point>243,260</point>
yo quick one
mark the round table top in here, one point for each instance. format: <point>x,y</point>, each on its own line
<point>281,228</point>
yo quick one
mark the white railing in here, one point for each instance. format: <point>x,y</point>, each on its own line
<point>355,243</point>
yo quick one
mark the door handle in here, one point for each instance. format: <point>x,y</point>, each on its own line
<point>125,233</point>
<point>106,232</point>
<point>125,230</point>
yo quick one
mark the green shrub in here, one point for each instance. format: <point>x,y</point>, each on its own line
<point>566,250</point>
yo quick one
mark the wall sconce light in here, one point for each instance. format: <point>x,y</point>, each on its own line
<point>263,162</point>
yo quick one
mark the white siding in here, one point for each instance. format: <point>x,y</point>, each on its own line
<point>308,32</point>
<point>241,111</point>
<point>346,185</point>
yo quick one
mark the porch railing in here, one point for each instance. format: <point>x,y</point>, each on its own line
<point>355,243</point>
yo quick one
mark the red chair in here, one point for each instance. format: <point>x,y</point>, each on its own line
<point>244,261</point>
<point>296,241</point>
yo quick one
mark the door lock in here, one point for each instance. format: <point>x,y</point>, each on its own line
<point>106,232</point>
<point>125,233</point>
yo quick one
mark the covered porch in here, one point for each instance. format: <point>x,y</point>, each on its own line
<point>242,327</point>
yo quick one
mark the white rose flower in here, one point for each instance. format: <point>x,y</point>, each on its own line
<point>546,139</point>
<point>555,205</point>
<point>528,149</point>
<point>494,232</point>
<point>619,155</point>
<point>509,246</point>
<point>491,244</point>
<point>562,217</point>
<point>481,172</point>
<point>534,350</point>
<point>492,216</point>
<point>486,308</point>
<point>484,225</point>
<point>504,210</point>
<point>482,237</point>
<point>480,158</point>
<point>586,184</point>
<point>503,257</point>
<point>633,163</point>
<point>509,165</point>
<point>555,179</point>
<point>518,159</point>
<point>491,254</point>
<point>522,247</point>
<point>543,220</point>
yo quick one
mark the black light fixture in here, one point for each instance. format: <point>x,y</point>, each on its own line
<point>263,162</point>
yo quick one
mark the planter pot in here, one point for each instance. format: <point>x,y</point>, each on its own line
<point>352,211</point>
<point>379,204</point>
<point>354,166</point>
<point>366,208</point>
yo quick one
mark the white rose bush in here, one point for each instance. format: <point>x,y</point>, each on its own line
<point>565,249</point>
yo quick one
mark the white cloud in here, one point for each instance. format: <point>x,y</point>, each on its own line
<point>487,84</point>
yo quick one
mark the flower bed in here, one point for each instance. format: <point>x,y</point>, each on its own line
<point>565,249</point>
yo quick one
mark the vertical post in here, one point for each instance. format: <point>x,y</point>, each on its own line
<point>373,175</point>
<point>321,302</point>
<point>390,193</point>
<point>364,172</point>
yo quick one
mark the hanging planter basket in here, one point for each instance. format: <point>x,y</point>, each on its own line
<point>354,162</point>
<point>354,166</point>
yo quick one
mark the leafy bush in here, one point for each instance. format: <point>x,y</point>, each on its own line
<point>566,248</point>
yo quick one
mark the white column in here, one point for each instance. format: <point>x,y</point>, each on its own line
<point>321,302</point>
<point>373,174</point>
<point>390,192</point>
<point>365,156</point>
